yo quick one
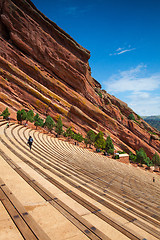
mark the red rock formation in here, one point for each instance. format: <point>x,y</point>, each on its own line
<point>44,69</point>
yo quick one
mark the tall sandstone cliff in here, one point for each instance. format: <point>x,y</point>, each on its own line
<point>44,69</point>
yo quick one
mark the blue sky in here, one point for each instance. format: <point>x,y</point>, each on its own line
<point>123,37</point>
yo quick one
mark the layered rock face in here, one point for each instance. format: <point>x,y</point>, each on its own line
<point>44,69</point>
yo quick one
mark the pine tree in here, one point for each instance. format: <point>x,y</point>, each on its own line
<point>39,122</point>
<point>78,137</point>
<point>49,123</point>
<point>91,137</point>
<point>36,117</point>
<point>30,116</point>
<point>21,115</point>
<point>156,159</point>
<point>132,157</point>
<point>109,145</point>
<point>59,127</point>
<point>142,156</point>
<point>99,141</point>
<point>5,114</point>
<point>68,133</point>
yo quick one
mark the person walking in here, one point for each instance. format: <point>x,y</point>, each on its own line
<point>30,141</point>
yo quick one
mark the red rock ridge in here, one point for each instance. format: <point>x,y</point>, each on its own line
<point>44,69</point>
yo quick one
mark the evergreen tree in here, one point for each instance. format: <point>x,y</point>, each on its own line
<point>36,117</point>
<point>68,133</point>
<point>21,115</point>
<point>142,156</point>
<point>132,157</point>
<point>86,141</point>
<point>39,122</point>
<point>109,145</point>
<point>49,123</point>
<point>91,137</point>
<point>59,126</point>
<point>99,141</point>
<point>78,137</point>
<point>5,114</point>
<point>156,159</point>
<point>110,151</point>
<point>148,162</point>
<point>30,116</point>
<point>73,135</point>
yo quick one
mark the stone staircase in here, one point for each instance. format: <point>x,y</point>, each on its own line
<point>58,191</point>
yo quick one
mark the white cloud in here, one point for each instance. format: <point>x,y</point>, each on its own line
<point>139,90</point>
<point>127,50</point>
<point>120,51</point>
<point>133,80</point>
<point>145,104</point>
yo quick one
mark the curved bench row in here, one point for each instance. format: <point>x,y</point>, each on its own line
<point>53,157</point>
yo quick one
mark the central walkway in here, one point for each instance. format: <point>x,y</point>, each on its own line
<point>59,191</point>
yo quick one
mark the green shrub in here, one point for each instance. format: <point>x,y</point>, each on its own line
<point>5,114</point>
<point>78,137</point>
<point>131,117</point>
<point>121,152</point>
<point>137,122</point>
<point>100,94</point>
<point>110,151</point>
<point>152,133</point>
<point>148,162</point>
<point>138,117</point>
<point>73,135</point>
<point>68,132</point>
<point>132,157</point>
